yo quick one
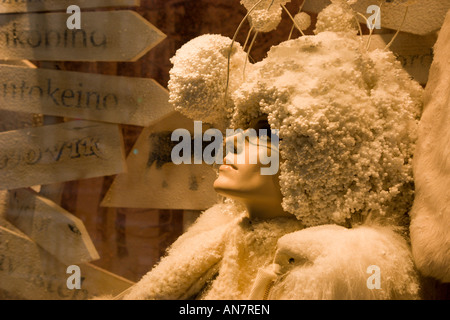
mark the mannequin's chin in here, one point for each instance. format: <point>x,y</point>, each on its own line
<point>222,188</point>
<point>225,188</point>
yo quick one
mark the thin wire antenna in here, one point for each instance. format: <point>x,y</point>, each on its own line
<point>359,25</point>
<point>301,6</point>
<point>248,38</point>
<point>231,47</point>
<point>293,26</point>
<point>362,16</point>
<point>290,33</point>
<point>357,22</point>
<point>248,51</point>
<point>398,30</point>
<point>290,16</point>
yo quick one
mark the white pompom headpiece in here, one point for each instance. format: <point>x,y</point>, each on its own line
<point>347,117</point>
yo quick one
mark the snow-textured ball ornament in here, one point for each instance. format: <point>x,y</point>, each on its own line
<point>265,15</point>
<point>198,79</point>
<point>302,20</point>
<point>265,20</point>
<point>337,17</point>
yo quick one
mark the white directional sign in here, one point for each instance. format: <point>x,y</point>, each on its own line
<point>124,100</point>
<point>422,17</point>
<point>414,52</point>
<point>50,226</point>
<point>62,152</point>
<point>13,120</point>
<point>29,272</point>
<point>121,35</point>
<point>153,181</point>
<point>7,6</point>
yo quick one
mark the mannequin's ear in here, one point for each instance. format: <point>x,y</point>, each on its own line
<point>203,69</point>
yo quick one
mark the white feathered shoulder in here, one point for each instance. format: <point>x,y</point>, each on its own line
<point>333,262</point>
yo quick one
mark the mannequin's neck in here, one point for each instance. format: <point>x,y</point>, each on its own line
<point>265,210</point>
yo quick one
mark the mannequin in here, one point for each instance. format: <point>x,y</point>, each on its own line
<point>248,223</point>
<point>249,247</point>
<point>335,212</point>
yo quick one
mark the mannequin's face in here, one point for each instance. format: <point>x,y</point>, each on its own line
<point>242,180</point>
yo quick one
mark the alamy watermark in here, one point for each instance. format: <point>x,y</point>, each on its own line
<point>374,21</point>
<point>74,21</point>
<point>241,147</point>
<point>374,281</point>
<point>73,281</point>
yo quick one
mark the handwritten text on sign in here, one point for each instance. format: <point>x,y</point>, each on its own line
<point>125,100</point>
<point>69,151</point>
<point>7,6</point>
<point>121,35</point>
<point>414,52</point>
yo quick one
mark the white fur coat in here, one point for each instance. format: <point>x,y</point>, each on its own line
<point>430,215</point>
<point>224,255</point>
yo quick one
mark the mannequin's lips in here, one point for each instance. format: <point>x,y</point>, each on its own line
<point>224,167</point>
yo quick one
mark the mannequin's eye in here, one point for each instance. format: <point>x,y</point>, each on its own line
<point>235,146</point>
<point>239,145</point>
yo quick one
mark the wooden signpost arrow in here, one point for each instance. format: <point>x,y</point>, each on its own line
<point>121,35</point>
<point>13,120</point>
<point>423,17</point>
<point>8,6</point>
<point>124,100</point>
<point>50,226</point>
<point>414,52</point>
<point>29,272</point>
<point>62,152</point>
<point>153,181</point>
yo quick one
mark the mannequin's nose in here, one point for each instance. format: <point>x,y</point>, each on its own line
<point>233,148</point>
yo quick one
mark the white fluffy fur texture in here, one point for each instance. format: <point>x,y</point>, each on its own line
<point>199,77</point>
<point>347,117</point>
<point>430,215</point>
<point>221,236</point>
<point>248,247</point>
<point>187,260</point>
<point>330,262</point>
